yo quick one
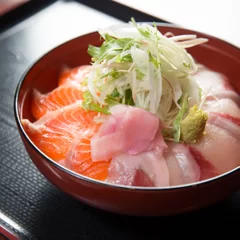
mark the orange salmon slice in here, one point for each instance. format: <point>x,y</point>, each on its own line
<point>60,97</point>
<point>54,132</point>
<point>64,135</point>
<point>79,159</point>
<point>73,74</point>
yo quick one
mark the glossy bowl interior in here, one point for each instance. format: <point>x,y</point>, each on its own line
<point>42,75</point>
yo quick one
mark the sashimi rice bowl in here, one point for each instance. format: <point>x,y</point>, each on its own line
<point>135,108</point>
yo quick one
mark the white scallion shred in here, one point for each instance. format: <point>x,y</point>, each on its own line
<point>140,66</point>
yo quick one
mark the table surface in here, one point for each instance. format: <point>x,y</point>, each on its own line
<point>29,204</point>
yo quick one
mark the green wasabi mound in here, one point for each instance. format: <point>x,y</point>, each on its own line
<point>193,125</point>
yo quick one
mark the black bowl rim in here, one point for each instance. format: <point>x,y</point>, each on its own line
<point>88,179</point>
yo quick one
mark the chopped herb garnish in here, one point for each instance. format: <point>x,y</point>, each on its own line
<point>179,118</point>
<point>95,107</point>
<point>139,66</point>
<point>128,100</point>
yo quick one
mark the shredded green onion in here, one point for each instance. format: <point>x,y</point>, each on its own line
<point>137,65</point>
<point>179,118</point>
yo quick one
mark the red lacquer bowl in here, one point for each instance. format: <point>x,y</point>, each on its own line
<point>216,55</point>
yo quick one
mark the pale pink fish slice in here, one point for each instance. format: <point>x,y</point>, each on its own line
<point>220,146</point>
<point>144,169</point>
<point>217,83</point>
<point>182,166</point>
<point>222,106</point>
<point>128,130</point>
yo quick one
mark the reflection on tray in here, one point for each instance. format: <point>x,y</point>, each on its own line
<point>7,234</point>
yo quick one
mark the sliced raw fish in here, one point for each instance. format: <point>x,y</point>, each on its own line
<point>60,97</point>
<point>219,146</point>
<point>223,106</point>
<point>54,132</point>
<point>146,169</point>
<point>77,74</point>
<point>182,166</point>
<point>130,131</point>
<point>78,157</point>
<point>217,83</point>
<point>206,168</point>
<point>227,122</point>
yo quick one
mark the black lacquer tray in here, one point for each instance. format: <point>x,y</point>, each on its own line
<point>30,206</point>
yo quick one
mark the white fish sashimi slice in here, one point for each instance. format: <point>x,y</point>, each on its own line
<point>223,106</point>
<point>217,152</point>
<point>144,169</point>
<point>218,84</point>
<point>206,78</point>
<point>230,124</point>
<point>221,144</point>
<point>220,147</point>
<point>182,166</point>
<point>225,94</point>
